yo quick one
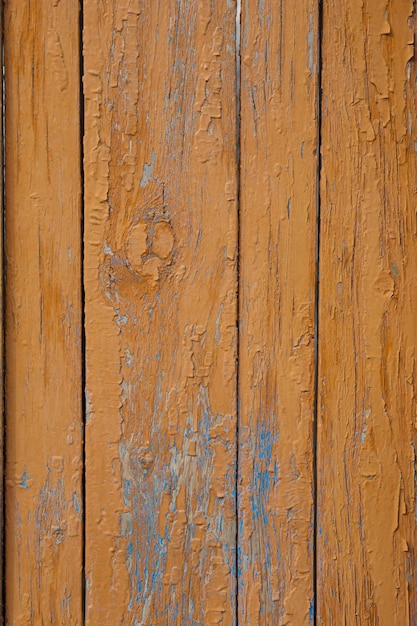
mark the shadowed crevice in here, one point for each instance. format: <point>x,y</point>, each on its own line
<point>3,315</point>
<point>317,307</point>
<point>83,356</point>
<point>238,182</point>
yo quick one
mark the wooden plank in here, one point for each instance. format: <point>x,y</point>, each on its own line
<point>368,331</point>
<point>43,314</point>
<point>160,278</point>
<point>277,302</point>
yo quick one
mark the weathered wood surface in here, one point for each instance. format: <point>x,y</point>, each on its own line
<point>161,291</point>
<point>160,284</point>
<point>43,314</point>
<point>368,302</point>
<point>279,133</point>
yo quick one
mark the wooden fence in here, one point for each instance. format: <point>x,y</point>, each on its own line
<point>210,299</point>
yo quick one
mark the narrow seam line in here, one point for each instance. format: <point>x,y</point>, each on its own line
<point>83,338</point>
<point>317,308</point>
<point>238,182</point>
<point>3,304</point>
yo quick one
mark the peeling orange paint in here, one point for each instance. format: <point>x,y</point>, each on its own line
<point>368,296</point>
<point>43,473</point>
<point>249,278</point>
<point>279,135</point>
<point>160,276</point>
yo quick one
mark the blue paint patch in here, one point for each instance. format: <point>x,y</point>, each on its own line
<point>76,502</point>
<point>126,491</point>
<point>145,549</point>
<point>24,480</point>
<point>264,479</point>
<point>205,422</point>
<point>310,42</point>
<point>311,611</point>
<point>50,513</point>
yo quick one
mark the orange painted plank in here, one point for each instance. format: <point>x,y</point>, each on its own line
<point>43,314</point>
<point>368,302</point>
<point>160,280</point>
<point>279,134</point>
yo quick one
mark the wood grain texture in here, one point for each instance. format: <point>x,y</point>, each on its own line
<point>368,332</point>
<point>277,300</point>
<point>43,314</point>
<point>160,279</point>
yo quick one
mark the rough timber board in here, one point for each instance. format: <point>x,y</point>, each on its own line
<point>160,281</point>
<point>368,332</point>
<point>43,314</point>
<point>278,213</point>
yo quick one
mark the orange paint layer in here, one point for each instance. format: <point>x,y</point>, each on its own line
<point>167,161</point>
<point>368,332</point>
<point>279,134</point>
<point>43,315</point>
<point>160,279</point>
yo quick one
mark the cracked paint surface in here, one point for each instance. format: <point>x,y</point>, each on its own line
<point>278,213</point>
<point>160,275</point>
<point>188,131</point>
<point>43,482</point>
<point>368,333</point>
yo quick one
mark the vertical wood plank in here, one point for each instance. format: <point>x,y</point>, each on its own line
<point>160,277</point>
<point>277,302</point>
<point>368,331</point>
<point>43,314</point>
